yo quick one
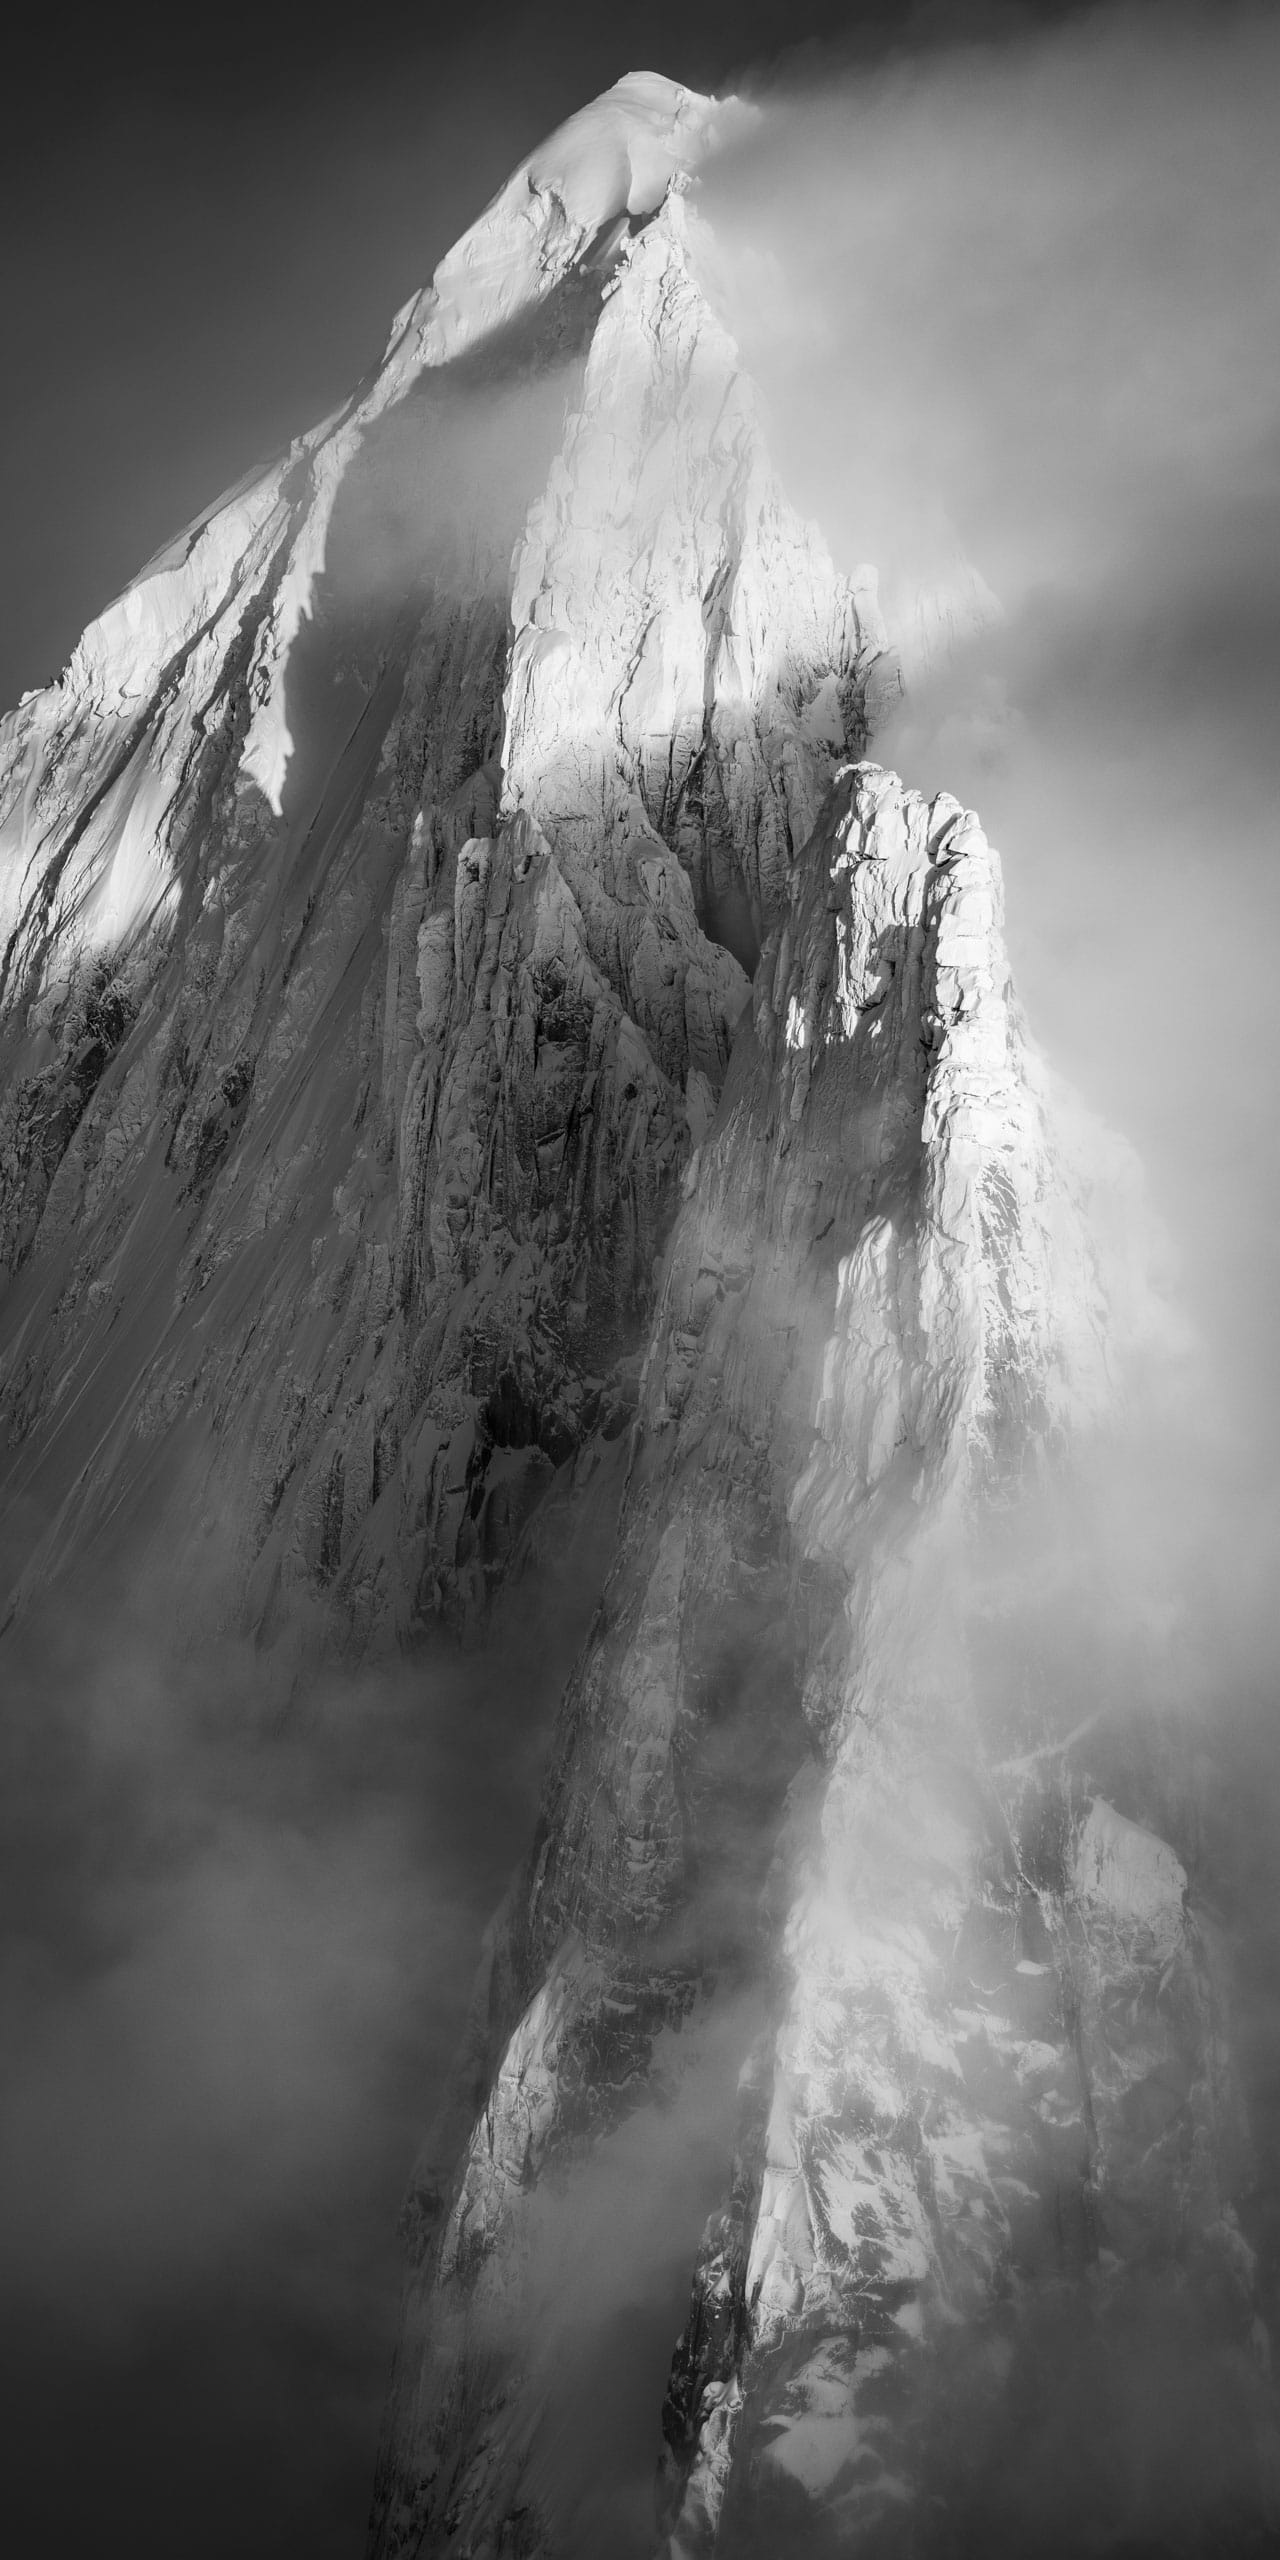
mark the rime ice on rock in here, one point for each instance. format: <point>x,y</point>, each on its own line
<point>686,661</point>
<point>372,953</point>
<point>975,2099</point>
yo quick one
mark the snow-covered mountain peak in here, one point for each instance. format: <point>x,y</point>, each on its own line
<point>631,724</point>
<point>493,1072</point>
<point>567,209</point>
<point>574,197</point>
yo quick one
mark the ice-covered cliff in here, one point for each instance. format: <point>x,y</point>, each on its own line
<point>819,1778</point>
<point>376,910</point>
<point>473,1010</point>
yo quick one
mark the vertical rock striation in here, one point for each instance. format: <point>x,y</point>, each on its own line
<point>983,2094</point>
<point>373,903</point>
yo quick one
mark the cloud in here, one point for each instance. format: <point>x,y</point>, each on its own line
<point>1031,283</point>
<point>239,1921</point>
<point>1015,304</point>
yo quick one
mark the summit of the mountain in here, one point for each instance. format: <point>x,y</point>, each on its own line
<point>566,208</point>
<point>483,724</point>
<point>574,197</point>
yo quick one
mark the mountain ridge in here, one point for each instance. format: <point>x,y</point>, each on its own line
<point>485,1038</point>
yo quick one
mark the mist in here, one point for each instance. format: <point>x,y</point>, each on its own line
<point>1015,310</point>
<point>241,1914</point>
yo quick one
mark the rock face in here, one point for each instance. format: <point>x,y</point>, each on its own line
<point>982,2090</point>
<point>376,917</point>
<point>470,993</point>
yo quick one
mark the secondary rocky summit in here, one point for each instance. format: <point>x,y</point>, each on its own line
<point>473,1005</point>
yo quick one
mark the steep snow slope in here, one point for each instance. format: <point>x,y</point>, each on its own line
<point>367,978</point>
<point>683,654</point>
<point>155,655</point>
<point>807,1776</point>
